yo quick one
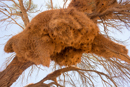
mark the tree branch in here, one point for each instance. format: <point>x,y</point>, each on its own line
<point>24,12</point>
<point>65,1</point>
<point>12,72</point>
<point>29,5</point>
<point>57,73</point>
<point>9,16</point>
<point>51,4</point>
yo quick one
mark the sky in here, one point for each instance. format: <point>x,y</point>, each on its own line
<point>39,74</point>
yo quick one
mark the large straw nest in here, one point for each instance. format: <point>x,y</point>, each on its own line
<point>62,36</point>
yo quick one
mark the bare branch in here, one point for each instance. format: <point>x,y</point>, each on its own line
<point>65,1</point>
<point>9,17</point>
<point>57,73</point>
<point>15,3</point>
<point>24,12</point>
<point>51,4</point>
<point>29,5</point>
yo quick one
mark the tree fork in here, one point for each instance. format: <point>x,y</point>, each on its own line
<point>12,72</point>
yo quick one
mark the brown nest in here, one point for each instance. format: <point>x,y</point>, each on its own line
<point>62,36</point>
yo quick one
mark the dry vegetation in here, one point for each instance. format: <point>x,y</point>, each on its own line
<point>63,35</point>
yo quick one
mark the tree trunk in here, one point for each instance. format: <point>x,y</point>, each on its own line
<point>12,72</point>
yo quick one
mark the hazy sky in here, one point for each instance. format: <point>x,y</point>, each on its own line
<point>36,77</point>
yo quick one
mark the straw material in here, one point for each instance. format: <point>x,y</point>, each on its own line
<point>63,40</point>
<point>62,36</point>
<point>106,48</point>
